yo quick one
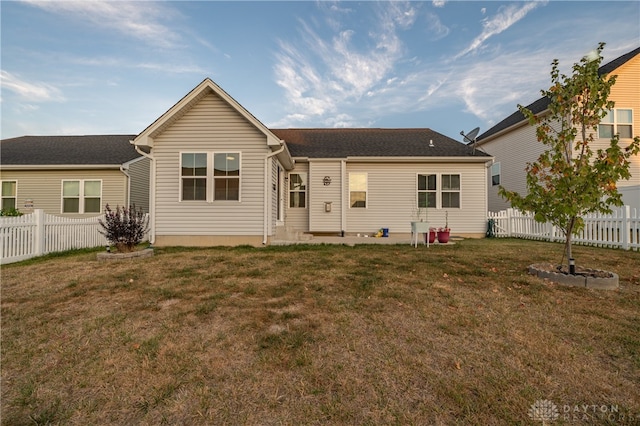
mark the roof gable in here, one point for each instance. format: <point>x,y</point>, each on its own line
<point>105,150</point>
<point>541,104</point>
<point>187,102</point>
<point>372,142</point>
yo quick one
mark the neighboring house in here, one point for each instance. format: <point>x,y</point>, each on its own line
<point>513,141</point>
<point>73,176</point>
<point>219,176</point>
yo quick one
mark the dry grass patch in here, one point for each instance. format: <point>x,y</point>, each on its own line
<point>316,335</point>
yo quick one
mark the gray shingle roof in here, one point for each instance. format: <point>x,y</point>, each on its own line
<point>542,103</point>
<point>67,150</point>
<point>342,143</point>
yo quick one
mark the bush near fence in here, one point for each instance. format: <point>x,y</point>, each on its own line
<point>620,229</point>
<point>39,233</point>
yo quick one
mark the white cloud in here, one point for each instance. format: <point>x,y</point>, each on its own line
<point>507,16</point>
<point>30,91</point>
<point>319,73</point>
<point>141,20</point>
<point>438,3</point>
<point>437,29</point>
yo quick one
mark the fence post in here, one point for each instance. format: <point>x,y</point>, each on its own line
<point>509,219</point>
<point>626,227</point>
<point>39,233</point>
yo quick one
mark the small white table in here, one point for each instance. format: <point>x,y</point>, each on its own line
<point>418,228</point>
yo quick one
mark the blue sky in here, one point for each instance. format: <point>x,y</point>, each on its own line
<point>114,67</point>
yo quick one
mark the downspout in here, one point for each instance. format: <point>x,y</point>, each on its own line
<point>125,171</point>
<point>266,203</point>
<point>152,192</point>
<point>343,198</point>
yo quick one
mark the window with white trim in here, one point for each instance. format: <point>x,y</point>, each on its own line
<point>358,190</point>
<point>427,191</point>
<point>450,191</point>
<point>81,196</point>
<point>618,121</point>
<point>9,199</point>
<point>297,190</point>
<point>226,176</point>
<point>210,176</point>
<point>495,174</point>
<point>438,191</point>
<point>193,176</point>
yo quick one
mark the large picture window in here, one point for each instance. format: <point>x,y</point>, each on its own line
<point>226,176</point>
<point>207,176</point>
<point>81,196</point>
<point>617,121</point>
<point>9,199</point>
<point>297,190</point>
<point>358,190</point>
<point>194,176</point>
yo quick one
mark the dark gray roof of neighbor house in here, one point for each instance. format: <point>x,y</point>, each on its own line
<point>542,103</point>
<point>67,150</point>
<point>342,143</point>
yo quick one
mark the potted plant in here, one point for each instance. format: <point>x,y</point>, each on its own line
<point>443,233</point>
<point>432,235</point>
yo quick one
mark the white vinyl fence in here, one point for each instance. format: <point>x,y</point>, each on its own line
<point>621,229</point>
<point>38,233</point>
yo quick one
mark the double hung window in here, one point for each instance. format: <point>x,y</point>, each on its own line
<point>226,176</point>
<point>81,196</point>
<point>9,200</point>
<point>495,174</point>
<point>427,191</point>
<point>297,190</point>
<point>358,190</point>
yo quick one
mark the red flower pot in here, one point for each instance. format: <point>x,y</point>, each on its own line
<point>431,235</point>
<point>443,235</point>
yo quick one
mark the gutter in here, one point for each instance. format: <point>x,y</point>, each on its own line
<point>265,215</point>
<point>152,192</point>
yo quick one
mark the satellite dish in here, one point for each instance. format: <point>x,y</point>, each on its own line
<point>471,137</point>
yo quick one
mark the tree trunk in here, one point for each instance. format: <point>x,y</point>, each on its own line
<point>570,260</point>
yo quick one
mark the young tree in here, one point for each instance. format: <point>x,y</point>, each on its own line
<point>570,179</point>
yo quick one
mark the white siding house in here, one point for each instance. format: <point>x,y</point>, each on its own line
<point>214,179</point>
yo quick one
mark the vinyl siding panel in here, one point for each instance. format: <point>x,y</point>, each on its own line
<point>211,125</point>
<point>512,150</point>
<point>297,218</point>
<point>139,184</point>
<point>319,193</point>
<point>392,198</point>
<point>45,188</point>
<point>273,202</point>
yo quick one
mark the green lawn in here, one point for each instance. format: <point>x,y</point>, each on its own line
<point>296,335</point>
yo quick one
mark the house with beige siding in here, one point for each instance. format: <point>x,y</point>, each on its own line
<point>513,143</point>
<point>221,177</point>
<point>72,176</point>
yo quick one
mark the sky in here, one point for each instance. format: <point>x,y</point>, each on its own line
<point>97,67</point>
